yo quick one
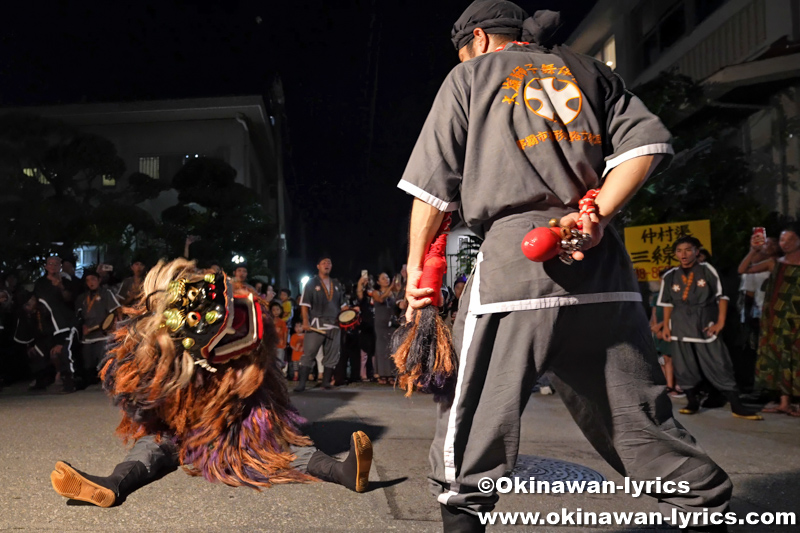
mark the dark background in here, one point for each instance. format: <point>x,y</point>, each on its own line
<point>359,78</point>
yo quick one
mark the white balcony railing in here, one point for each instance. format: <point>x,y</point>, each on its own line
<point>733,42</point>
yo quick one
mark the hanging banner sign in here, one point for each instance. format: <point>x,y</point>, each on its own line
<point>650,247</point>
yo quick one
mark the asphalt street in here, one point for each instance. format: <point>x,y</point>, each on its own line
<point>36,430</point>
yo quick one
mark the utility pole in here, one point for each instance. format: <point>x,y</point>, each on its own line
<point>277,97</point>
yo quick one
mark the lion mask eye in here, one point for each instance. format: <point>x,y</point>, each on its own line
<point>192,318</point>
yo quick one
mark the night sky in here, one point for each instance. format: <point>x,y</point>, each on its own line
<point>359,80</point>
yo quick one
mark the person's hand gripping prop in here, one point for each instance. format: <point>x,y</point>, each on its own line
<point>565,241</point>
<point>422,348</point>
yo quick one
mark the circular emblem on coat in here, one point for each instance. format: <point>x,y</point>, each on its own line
<point>554,99</point>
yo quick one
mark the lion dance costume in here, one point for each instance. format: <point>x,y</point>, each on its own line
<point>194,371</point>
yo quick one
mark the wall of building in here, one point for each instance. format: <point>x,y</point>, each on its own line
<point>727,33</point>
<point>452,250</point>
<point>177,141</point>
<point>734,32</point>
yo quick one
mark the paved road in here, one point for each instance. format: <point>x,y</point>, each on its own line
<point>37,430</point>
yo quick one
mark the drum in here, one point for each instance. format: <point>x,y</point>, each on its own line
<point>108,321</point>
<point>349,319</point>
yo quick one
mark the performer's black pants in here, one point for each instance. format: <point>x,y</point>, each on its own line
<point>606,371</point>
<point>162,457</point>
<point>366,340</point>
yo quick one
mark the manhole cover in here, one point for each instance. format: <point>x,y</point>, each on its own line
<point>546,469</point>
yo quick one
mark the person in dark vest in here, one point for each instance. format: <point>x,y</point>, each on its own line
<point>93,310</point>
<point>321,303</point>
<point>694,315</point>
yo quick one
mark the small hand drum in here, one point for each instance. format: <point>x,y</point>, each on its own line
<point>349,319</point>
<point>108,321</point>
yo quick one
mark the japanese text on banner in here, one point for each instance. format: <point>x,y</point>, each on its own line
<point>650,247</point>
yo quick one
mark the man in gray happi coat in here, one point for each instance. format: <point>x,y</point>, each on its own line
<point>321,303</point>
<point>93,307</point>
<point>694,315</point>
<point>517,135</point>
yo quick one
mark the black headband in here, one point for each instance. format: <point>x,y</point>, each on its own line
<point>504,18</point>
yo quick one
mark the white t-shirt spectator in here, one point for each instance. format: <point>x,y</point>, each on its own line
<point>755,283</point>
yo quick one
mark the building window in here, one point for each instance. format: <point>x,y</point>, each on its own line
<point>86,256</point>
<point>109,181</point>
<point>149,166</point>
<point>608,53</point>
<point>704,8</point>
<point>672,28</point>
<point>36,173</point>
<point>669,29</point>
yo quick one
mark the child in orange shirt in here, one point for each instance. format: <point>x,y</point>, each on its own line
<point>276,311</point>
<point>296,343</point>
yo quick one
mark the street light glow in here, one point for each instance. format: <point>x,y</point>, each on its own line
<point>238,259</point>
<point>303,282</point>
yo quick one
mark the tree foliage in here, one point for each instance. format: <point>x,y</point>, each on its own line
<point>52,194</point>
<point>52,199</point>
<point>709,178</point>
<point>224,214</point>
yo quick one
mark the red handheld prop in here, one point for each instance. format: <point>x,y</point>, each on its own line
<point>541,244</point>
<point>434,265</point>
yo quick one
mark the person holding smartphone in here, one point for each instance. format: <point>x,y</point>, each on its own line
<point>755,269</point>
<point>779,343</point>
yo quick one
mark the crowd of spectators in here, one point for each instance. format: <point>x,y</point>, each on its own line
<point>56,333</point>
<point>378,304</point>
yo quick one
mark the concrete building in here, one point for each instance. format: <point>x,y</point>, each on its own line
<point>745,52</point>
<point>157,137</point>
<point>461,252</point>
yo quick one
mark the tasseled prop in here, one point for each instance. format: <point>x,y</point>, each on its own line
<point>423,348</point>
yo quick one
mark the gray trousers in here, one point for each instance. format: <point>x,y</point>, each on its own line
<point>694,360</point>
<point>606,371</point>
<point>331,347</point>
<point>158,457</point>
